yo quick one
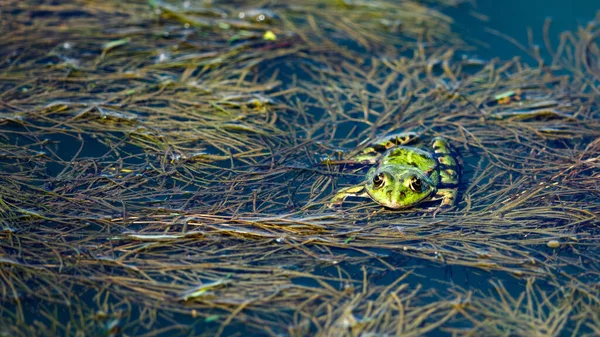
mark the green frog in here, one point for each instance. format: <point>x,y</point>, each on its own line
<point>404,175</point>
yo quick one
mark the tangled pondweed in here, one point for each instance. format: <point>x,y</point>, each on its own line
<point>165,169</point>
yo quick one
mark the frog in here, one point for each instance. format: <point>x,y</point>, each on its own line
<point>404,176</point>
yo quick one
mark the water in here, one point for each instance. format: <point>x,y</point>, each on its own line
<point>514,18</point>
<point>159,170</point>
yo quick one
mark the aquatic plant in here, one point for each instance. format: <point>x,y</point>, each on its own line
<point>160,173</point>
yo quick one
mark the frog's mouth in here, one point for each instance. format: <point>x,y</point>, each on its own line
<point>402,201</point>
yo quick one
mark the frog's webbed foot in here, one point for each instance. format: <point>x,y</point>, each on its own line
<point>352,191</point>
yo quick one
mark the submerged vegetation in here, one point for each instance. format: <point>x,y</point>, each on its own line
<point>161,173</point>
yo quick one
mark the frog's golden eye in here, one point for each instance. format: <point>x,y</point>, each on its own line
<point>378,180</point>
<point>415,184</point>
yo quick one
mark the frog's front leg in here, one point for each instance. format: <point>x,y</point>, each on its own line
<point>352,191</point>
<point>361,158</point>
<point>369,156</point>
<point>448,198</point>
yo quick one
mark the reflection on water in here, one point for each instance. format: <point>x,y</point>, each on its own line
<point>165,169</point>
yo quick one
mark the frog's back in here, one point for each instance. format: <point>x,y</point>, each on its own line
<point>411,157</point>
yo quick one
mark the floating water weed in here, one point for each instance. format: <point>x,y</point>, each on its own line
<point>187,196</point>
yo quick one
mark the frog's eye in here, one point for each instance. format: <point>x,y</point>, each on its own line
<point>415,184</point>
<point>378,180</point>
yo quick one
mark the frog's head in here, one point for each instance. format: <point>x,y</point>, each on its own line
<point>398,187</point>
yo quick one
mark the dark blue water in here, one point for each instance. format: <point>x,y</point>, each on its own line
<point>512,18</point>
